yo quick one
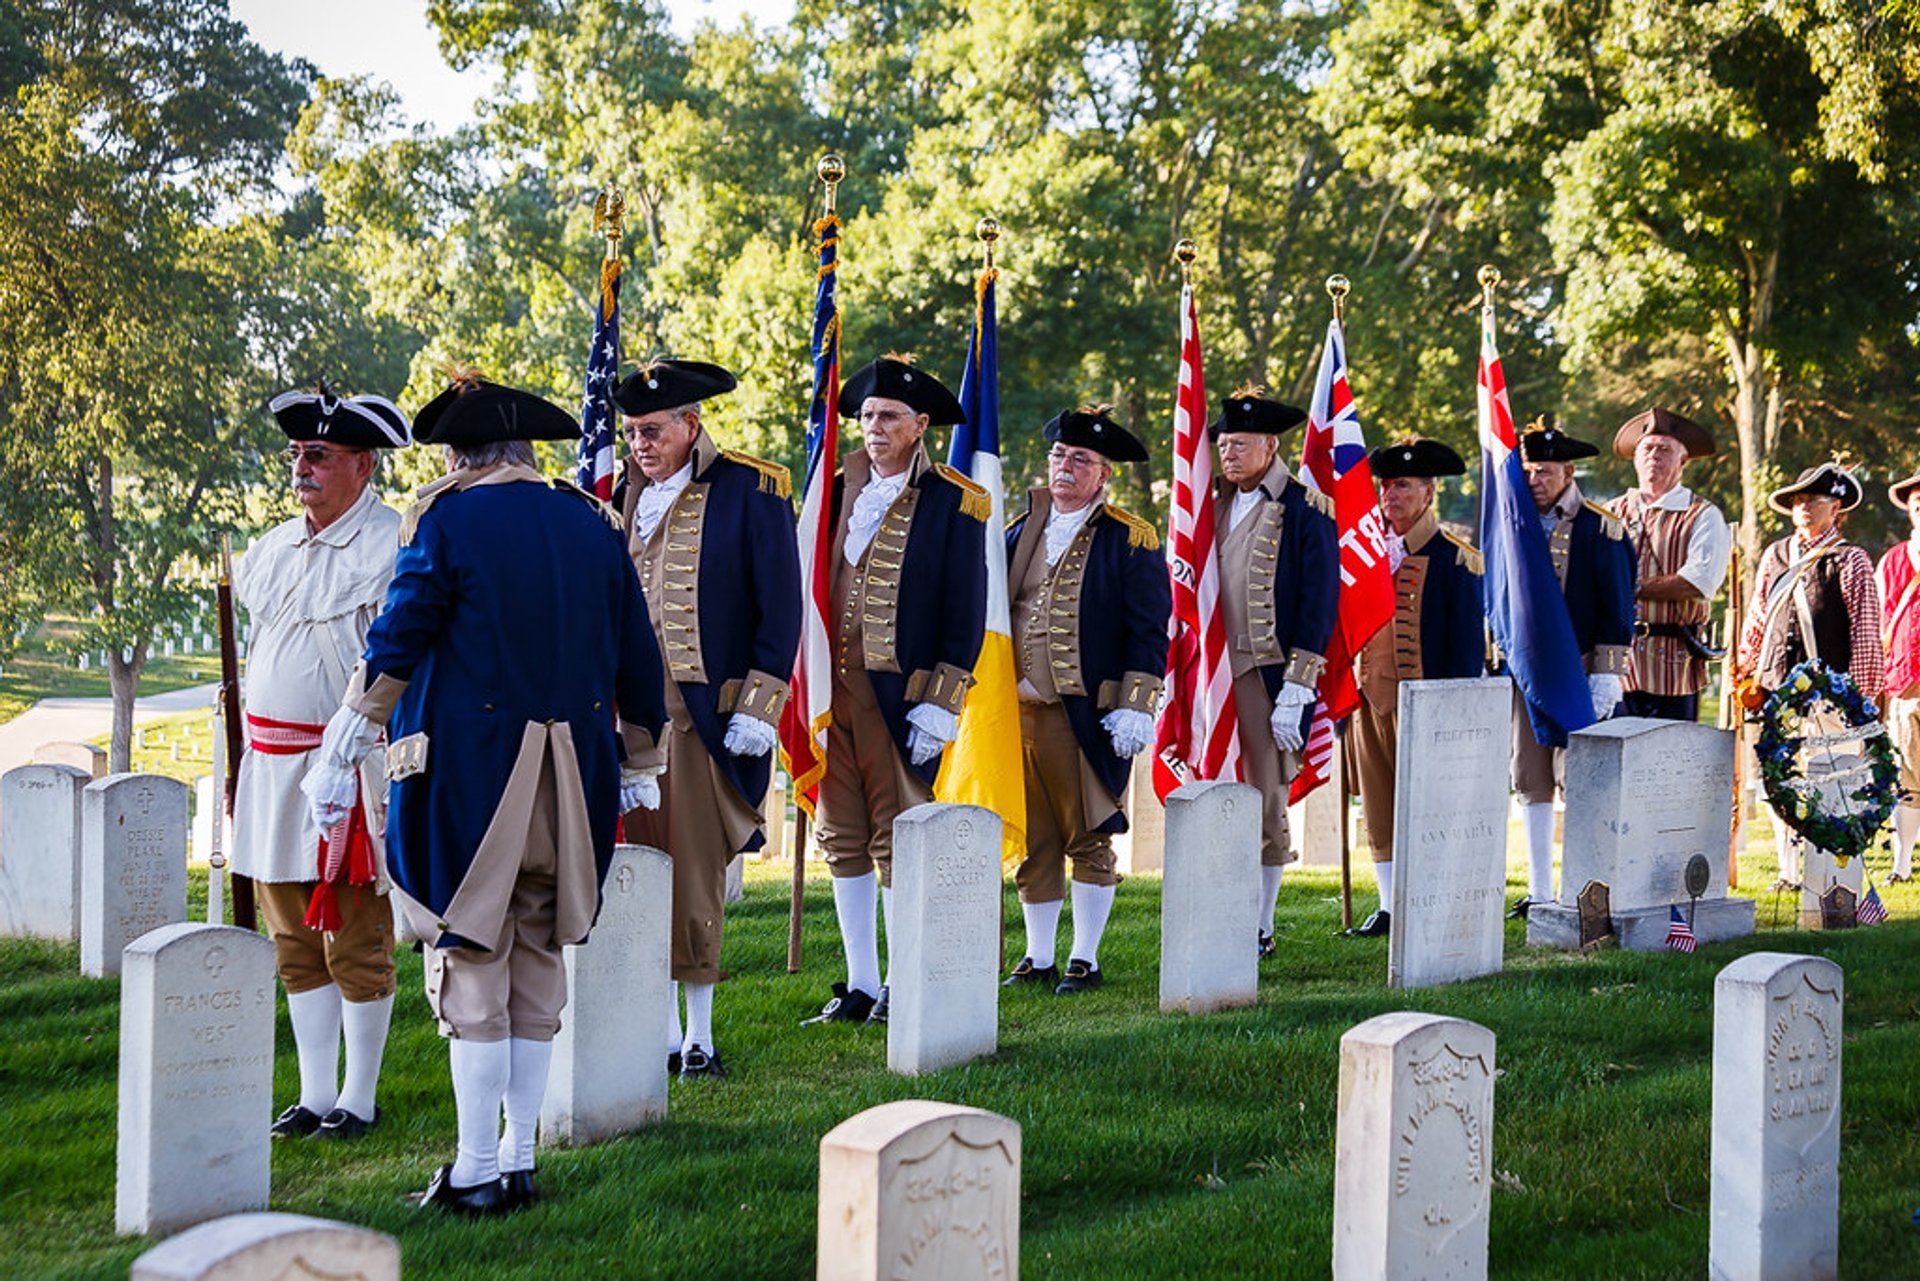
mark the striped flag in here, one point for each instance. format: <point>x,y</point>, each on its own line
<point>1679,933</point>
<point>1871,910</point>
<point>1333,460</point>
<point>803,726</point>
<point>1524,603</point>
<point>597,412</point>
<point>980,770</point>
<point>1197,737</point>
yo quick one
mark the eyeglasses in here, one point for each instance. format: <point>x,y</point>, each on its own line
<point>316,455</point>
<point>650,433</point>
<point>1074,459</point>
<point>1237,447</point>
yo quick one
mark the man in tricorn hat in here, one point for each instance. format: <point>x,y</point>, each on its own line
<point>1899,582</point>
<point>1279,561</point>
<point>1438,632</point>
<point>1090,599</point>
<point>712,534</point>
<point>312,585</point>
<point>1813,597</point>
<point>909,586</point>
<point>1594,563</point>
<point>1682,546</point>
<point>515,630</point>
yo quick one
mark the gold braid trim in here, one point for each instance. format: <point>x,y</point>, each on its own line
<point>1322,503</point>
<point>975,501</point>
<point>1615,528</point>
<point>1469,555</point>
<point>607,513</point>
<point>1140,533</point>
<point>423,498</point>
<point>774,479</point>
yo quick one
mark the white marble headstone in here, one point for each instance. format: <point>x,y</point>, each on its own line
<point>1314,823</point>
<point>945,979</point>
<point>40,851</point>
<point>196,1077</point>
<point>1209,899</point>
<point>1644,797</point>
<point>609,1071</point>
<point>1143,846</point>
<point>920,1189</point>
<point>133,864</point>
<point>1776,1119</point>
<point>1413,1156</point>
<point>280,1247</point>
<point>79,755</point>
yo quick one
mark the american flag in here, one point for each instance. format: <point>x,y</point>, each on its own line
<point>1333,460</point>
<point>597,410</point>
<point>1679,933</point>
<point>1871,910</point>
<point>803,726</point>
<point>1197,737</point>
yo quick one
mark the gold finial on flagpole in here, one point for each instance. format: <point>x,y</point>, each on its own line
<point>609,215</point>
<point>1489,281</point>
<point>1186,251</point>
<point>988,230</point>
<point>1337,287</point>
<point>831,170</point>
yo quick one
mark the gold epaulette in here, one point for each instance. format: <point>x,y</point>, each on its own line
<point>1469,555</point>
<point>1615,528</point>
<point>975,501</point>
<point>1140,533</point>
<point>423,498</point>
<point>608,514</point>
<point>1322,503</point>
<point>774,479</point>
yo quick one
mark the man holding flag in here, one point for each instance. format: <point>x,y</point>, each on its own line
<point>1090,600</point>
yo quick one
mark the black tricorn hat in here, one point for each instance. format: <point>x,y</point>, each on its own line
<point>669,384</point>
<point>1664,422</point>
<point>1256,414</point>
<point>1828,480</point>
<point>474,411</point>
<point>1544,442</point>
<point>365,422</point>
<point>1899,490</point>
<point>1089,427</point>
<point>897,380</point>
<point>1415,456</point>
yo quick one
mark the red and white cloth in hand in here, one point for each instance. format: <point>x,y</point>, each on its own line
<point>332,788</point>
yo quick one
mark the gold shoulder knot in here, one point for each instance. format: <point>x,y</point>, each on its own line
<point>1322,503</point>
<point>1140,531</point>
<point>774,479</point>
<point>607,513</point>
<point>975,501</point>
<point>1615,528</point>
<point>423,498</point>
<point>1469,555</point>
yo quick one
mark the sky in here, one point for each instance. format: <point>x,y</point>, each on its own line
<point>392,41</point>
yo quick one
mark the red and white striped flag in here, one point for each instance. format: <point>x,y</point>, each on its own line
<point>1679,932</point>
<point>1333,460</point>
<point>1197,736</point>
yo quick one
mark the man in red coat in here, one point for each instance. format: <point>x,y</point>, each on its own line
<point>1899,579</point>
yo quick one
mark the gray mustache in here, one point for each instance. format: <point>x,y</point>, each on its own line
<point>302,485</point>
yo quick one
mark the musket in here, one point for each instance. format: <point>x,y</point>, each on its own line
<point>243,910</point>
<point>1733,716</point>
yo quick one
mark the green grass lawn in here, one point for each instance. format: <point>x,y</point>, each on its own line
<point>1153,1145</point>
<point>36,671</point>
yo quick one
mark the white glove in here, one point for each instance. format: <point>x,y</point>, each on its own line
<point>330,790</point>
<point>1285,721</point>
<point>1132,731</point>
<point>348,738</point>
<point>750,736</point>
<point>640,789</point>
<point>929,730</point>
<point>1607,690</point>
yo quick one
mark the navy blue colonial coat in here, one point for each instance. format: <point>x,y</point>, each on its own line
<point>1595,563</point>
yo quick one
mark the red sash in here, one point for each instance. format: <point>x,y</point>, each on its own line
<point>346,851</point>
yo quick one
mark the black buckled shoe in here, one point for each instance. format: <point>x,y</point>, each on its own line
<point>1027,973</point>
<point>844,1007</point>
<point>516,1186</point>
<point>881,1006</point>
<point>1375,926</point>
<point>481,1198</point>
<point>341,1125</point>
<point>295,1123</point>
<point>1081,976</point>
<point>673,1063</point>
<point>1266,944</point>
<point>1518,912</point>
<point>695,1061</point>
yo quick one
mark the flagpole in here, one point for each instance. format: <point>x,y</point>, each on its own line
<point>1337,287</point>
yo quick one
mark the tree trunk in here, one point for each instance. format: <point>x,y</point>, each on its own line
<point>125,680</point>
<point>1744,367</point>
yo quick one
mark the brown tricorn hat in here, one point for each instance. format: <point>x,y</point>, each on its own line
<point>1900,489</point>
<point>1664,422</point>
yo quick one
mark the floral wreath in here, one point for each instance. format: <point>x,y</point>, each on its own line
<point>1872,788</point>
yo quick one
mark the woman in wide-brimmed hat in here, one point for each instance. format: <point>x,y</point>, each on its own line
<point>1899,581</point>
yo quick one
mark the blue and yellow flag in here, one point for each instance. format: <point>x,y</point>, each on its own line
<point>983,767</point>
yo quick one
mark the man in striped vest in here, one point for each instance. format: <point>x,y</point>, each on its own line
<point>1899,580</point>
<point>1683,545</point>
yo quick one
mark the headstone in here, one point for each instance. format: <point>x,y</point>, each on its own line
<point>204,808</point>
<point>920,1189</point>
<point>133,864</point>
<point>1450,831</point>
<point>736,889</point>
<point>945,971</point>
<point>773,815</point>
<point>1413,1156</point>
<point>1776,1119</point>
<point>609,1071</point>
<point>1821,908</point>
<point>1315,822</point>
<point>1209,899</point>
<point>40,851</point>
<point>79,755</point>
<point>1644,799</point>
<point>283,1247</point>
<point>1143,846</point>
<point>1595,906</point>
<point>196,1077</point>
